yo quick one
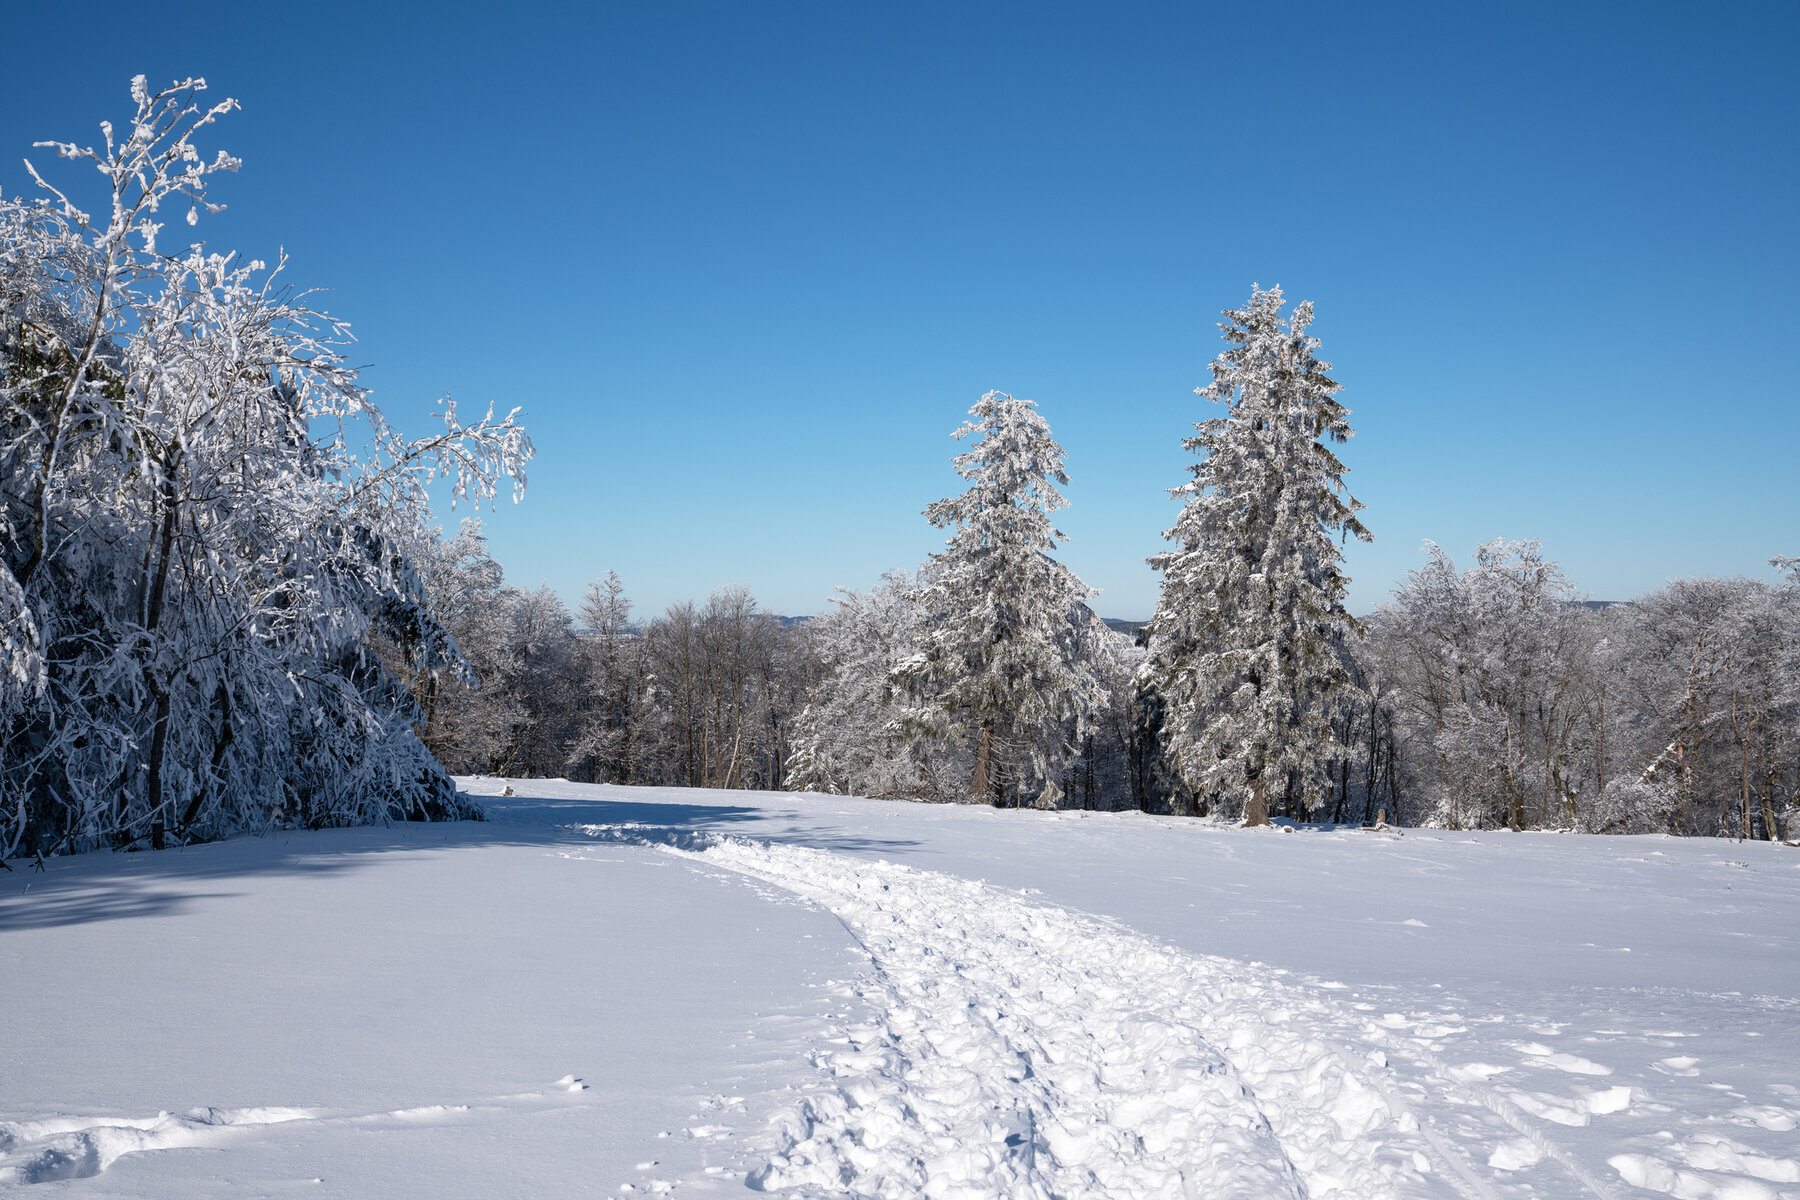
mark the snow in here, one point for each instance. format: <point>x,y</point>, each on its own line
<point>607,990</point>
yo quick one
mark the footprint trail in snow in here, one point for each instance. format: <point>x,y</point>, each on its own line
<point>1020,1049</point>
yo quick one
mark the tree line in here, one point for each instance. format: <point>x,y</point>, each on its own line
<point>1491,696</point>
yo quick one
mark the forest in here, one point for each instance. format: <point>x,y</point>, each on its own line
<point>226,602</point>
<point>1487,697</point>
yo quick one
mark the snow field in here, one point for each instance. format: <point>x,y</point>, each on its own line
<point>421,999</point>
<point>608,990</point>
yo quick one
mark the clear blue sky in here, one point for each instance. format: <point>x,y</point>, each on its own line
<point>745,265</point>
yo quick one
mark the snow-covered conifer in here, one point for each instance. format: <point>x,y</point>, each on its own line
<point>1249,638</point>
<point>1010,645</point>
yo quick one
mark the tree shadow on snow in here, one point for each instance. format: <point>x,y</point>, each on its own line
<point>108,886</point>
<point>783,825</point>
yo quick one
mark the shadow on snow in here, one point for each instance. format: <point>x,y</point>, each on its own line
<point>109,886</point>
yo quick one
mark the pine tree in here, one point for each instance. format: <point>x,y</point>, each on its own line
<point>1248,641</point>
<point>1011,646</point>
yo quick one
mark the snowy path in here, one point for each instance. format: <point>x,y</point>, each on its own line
<point>1020,1049</point>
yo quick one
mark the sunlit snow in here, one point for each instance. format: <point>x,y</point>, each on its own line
<point>607,990</point>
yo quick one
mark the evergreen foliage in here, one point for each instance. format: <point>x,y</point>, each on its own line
<point>1250,639</point>
<point>1010,651</point>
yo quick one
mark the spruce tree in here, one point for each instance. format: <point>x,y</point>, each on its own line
<point>1010,650</point>
<point>1249,638</point>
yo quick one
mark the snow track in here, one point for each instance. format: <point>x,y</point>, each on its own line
<point>1021,1049</point>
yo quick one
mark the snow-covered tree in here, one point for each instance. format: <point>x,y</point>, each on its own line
<point>613,653</point>
<point>1709,668</point>
<point>545,657</point>
<point>853,736</point>
<point>1499,669</point>
<point>1520,704</point>
<point>1249,641</point>
<point>206,524</point>
<point>724,682</point>
<point>467,715</point>
<point>1008,659</point>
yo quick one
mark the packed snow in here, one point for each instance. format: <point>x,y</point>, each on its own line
<point>609,990</point>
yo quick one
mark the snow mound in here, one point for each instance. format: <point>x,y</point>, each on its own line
<point>78,1148</point>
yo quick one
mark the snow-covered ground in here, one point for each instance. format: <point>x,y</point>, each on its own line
<point>613,990</point>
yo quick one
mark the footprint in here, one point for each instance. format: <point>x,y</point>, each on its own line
<point>1608,1100</point>
<point>1546,1107</point>
<point>709,1132</point>
<point>70,1156</point>
<point>1710,1153</point>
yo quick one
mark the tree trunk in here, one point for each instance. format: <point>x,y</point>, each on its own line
<point>159,746</point>
<point>1256,810</point>
<point>221,744</point>
<point>1744,739</point>
<point>1600,752</point>
<point>1515,802</point>
<point>160,688</point>
<point>1087,782</point>
<point>1371,775</point>
<point>982,787</point>
<point>1768,806</point>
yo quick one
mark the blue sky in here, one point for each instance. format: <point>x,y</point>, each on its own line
<point>745,265</point>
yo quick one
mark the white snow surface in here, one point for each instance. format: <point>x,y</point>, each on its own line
<point>616,991</point>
